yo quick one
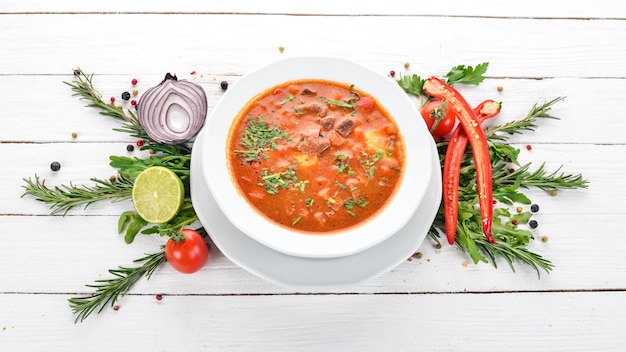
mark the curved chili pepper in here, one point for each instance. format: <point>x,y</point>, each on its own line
<point>437,88</point>
<point>452,167</point>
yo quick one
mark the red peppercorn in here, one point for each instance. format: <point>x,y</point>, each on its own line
<point>529,147</point>
<point>158,297</point>
<point>116,307</point>
<point>514,222</point>
<point>392,73</point>
<point>139,143</point>
<point>193,73</point>
<point>133,102</point>
<point>112,99</point>
<point>134,81</point>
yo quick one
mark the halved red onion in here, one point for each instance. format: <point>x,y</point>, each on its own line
<point>172,112</point>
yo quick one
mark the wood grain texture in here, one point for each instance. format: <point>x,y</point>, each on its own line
<point>537,51</point>
<point>561,322</point>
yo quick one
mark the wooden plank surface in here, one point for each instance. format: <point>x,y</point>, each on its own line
<point>537,51</point>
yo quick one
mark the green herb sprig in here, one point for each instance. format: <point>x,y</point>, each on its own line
<point>108,291</point>
<point>64,198</point>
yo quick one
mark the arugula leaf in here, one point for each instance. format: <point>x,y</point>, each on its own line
<point>467,74</point>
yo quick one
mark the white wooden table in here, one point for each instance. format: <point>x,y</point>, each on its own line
<point>537,50</point>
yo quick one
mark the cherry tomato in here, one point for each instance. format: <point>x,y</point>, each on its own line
<point>190,254</point>
<point>443,112</point>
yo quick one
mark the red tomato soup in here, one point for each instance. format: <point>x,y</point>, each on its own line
<point>315,155</point>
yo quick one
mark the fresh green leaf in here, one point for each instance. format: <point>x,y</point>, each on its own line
<point>412,84</point>
<point>467,74</point>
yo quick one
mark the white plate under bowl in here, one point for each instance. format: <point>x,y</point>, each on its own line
<point>392,217</point>
<point>311,274</point>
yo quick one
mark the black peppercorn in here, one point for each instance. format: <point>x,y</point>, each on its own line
<point>533,224</point>
<point>224,85</point>
<point>534,208</point>
<point>55,166</point>
<point>130,147</point>
<point>126,95</point>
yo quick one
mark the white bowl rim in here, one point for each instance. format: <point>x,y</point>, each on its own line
<point>414,182</point>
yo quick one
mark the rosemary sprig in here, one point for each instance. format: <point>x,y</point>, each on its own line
<point>526,124</point>
<point>82,86</point>
<point>62,199</point>
<point>109,290</point>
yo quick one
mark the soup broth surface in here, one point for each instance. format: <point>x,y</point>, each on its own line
<point>315,155</point>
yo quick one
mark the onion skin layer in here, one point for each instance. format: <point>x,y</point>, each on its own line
<point>172,112</point>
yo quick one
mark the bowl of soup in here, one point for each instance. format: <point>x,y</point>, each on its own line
<point>316,157</point>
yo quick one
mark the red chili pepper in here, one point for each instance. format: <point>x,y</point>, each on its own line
<point>452,167</point>
<point>476,137</point>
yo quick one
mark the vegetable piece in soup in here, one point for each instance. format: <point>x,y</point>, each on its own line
<point>315,155</point>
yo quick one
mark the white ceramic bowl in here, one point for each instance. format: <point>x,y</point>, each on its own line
<point>413,184</point>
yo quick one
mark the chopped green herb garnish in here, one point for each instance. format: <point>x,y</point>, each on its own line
<point>286,100</point>
<point>275,181</point>
<point>368,162</point>
<point>350,202</point>
<point>296,220</point>
<point>341,185</point>
<point>309,202</point>
<point>349,104</point>
<point>341,161</point>
<point>258,138</point>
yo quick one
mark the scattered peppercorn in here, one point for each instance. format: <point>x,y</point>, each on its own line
<point>519,209</point>
<point>55,166</point>
<point>112,100</point>
<point>511,170</point>
<point>534,208</point>
<point>139,143</point>
<point>158,297</point>
<point>130,147</point>
<point>74,135</point>
<point>514,222</point>
<point>134,81</point>
<point>529,147</point>
<point>392,73</point>
<point>192,73</point>
<point>533,224</point>
<point>500,88</point>
<point>438,246</point>
<point>125,95</point>
<point>224,85</point>
<point>77,72</point>
<point>113,178</point>
<point>281,49</point>
<point>544,239</point>
<point>116,307</point>
<point>418,255</point>
<point>407,65</point>
<point>554,192</point>
<point>135,92</point>
<point>151,151</point>
<point>133,102</point>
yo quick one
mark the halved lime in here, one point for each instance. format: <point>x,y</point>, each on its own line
<point>158,194</point>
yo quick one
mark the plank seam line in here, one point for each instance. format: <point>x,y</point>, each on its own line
<point>406,293</point>
<point>201,13</point>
